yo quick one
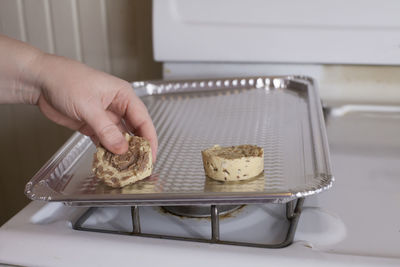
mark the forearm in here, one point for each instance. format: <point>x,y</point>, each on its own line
<point>18,78</point>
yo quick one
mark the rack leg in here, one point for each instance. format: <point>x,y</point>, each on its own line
<point>135,219</point>
<point>290,209</point>
<point>214,223</point>
<point>293,215</point>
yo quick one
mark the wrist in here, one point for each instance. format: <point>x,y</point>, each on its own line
<point>29,78</point>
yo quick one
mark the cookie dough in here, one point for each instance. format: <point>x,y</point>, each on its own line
<point>121,170</point>
<point>233,163</point>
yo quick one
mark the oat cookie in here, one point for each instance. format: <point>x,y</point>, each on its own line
<point>121,170</point>
<point>233,163</point>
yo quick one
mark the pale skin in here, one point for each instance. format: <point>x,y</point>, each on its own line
<point>73,95</point>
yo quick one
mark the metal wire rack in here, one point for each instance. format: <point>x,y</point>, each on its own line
<point>293,212</point>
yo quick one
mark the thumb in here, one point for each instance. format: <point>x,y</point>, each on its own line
<point>106,131</point>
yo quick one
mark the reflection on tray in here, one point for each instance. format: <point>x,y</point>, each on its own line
<point>255,184</point>
<point>152,185</point>
<point>145,186</point>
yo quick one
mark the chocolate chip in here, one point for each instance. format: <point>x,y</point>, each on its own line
<point>125,178</point>
<point>96,160</point>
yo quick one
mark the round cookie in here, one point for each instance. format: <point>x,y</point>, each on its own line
<point>234,163</point>
<point>121,170</point>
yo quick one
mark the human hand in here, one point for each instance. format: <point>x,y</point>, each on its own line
<point>92,102</point>
<point>73,95</point>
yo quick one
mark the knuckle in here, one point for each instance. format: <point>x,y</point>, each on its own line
<point>109,132</point>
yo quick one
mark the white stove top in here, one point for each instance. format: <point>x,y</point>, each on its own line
<point>355,223</point>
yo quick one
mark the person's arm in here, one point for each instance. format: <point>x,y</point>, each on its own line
<point>16,84</point>
<point>73,95</point>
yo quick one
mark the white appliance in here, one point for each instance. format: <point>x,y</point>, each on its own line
<point>355,223</point>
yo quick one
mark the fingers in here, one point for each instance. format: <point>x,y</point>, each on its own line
<point>100,118</point>
<point>106,130</point>
<point>146,130</point>
<point>87,130</point>
<point>139,119</point>
<point>56,116</point>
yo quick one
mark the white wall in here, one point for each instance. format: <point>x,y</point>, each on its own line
<point>107,35</point>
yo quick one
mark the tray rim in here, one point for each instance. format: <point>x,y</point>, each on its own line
<point>217,198</point>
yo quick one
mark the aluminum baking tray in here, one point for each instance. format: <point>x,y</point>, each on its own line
<point>281,114</point>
